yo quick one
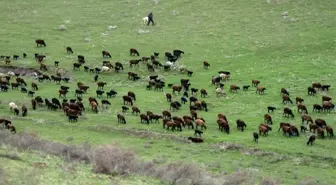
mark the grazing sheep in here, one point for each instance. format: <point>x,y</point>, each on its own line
<point>10,73</point>
<point>220,92</point>
<point>12,106</point>
<point>145,20</point>
<point>104,68</point>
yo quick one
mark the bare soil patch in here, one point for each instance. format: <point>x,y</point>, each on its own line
<point>19,70</point>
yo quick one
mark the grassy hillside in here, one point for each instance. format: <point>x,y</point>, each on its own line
<point>251,39</point>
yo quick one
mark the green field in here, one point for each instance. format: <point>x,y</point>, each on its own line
<point>251,39</point>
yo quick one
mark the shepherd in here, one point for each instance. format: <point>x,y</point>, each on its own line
<point>150,19</point>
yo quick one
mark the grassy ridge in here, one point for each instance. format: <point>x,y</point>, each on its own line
<point>249,38</point>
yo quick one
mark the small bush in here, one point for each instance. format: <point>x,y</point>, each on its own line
<point>11,156</point>
<point>308,181</point>
<point>3,180</point>
<point>110,159</point>
<point>268,181</point>
<point>27,141</point>
<point>236,178</point>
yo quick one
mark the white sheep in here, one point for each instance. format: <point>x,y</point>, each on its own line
<point>169,63</point>
<point>145,20</point>
<point>12,106</point>
<point>11,73</point>
<point>34,74</point>
<point>220,92</point>
<point>224,76</point>
<point>105,68</point>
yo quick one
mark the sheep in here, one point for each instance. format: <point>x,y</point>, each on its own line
<point>105,68</point>
<point>145,20</point>
<point>12,106</point>
<point>34,74</point>
<point>220,92</point>
<point>11,73</point>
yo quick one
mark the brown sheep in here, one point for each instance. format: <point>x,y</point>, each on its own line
<point>177,88</point>
<point>287,131</point>
<point>166,114</point>
<point>260,90</point>
<point>204,93</point>
<point>299,100</point>
<point>312,127</point>
<point>263,130</point>
<point>195,140</point>
<point>135,110</point>
<point>302,108</point>
<point>320,132</point>
<point>132,95</point>
<point>223,126</point>
<point>305,117</point>
<point>144,118</point>
<point>284,125</point>
<point>234,88</point>
<point>311,140</point>
<point>189,123</point>
<point>206,65</point>
<point>326,98</point>
<point>193,114</point>
<point>169,97</point>
<point>318,86</point>
<point>255,83</point>
<point>321,123</point>
<point>255,137</point>
<point>34,103</point>
<point>101,85</point>
<point>201,123</point>
<point>121,119</point>
<point>268,119</point>
<point>128,100</point>
<point>222,116</point>
<point>284,91</point>
<point>134,52</point>
<point>327,106</point>
<point>330,131</point>
<point>34,86</point>
<point>317,108</point>
<point>286,99</point>
<point>288,112</point>
<point>240,125</point>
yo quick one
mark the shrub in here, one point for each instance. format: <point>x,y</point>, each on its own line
<point>110,159</point>
<point>3,180</point>
<point>12,156</point>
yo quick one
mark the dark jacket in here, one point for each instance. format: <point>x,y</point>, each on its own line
<point>150,16</point>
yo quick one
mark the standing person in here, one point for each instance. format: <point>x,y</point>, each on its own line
<point>150,19</point>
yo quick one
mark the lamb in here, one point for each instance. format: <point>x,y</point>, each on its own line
<point>105,68</point>
<point>12,106</point>
<point>145,20</point>
<point>10,73</point>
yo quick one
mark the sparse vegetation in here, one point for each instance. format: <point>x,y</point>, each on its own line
<point>284,44</point>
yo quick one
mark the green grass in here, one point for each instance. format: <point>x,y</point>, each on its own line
<point>248,38</point>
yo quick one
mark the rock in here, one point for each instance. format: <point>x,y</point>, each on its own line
<point>112,27</point>
<point>62,27</point>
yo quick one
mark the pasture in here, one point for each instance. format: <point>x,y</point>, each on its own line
<point>250,39</point>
